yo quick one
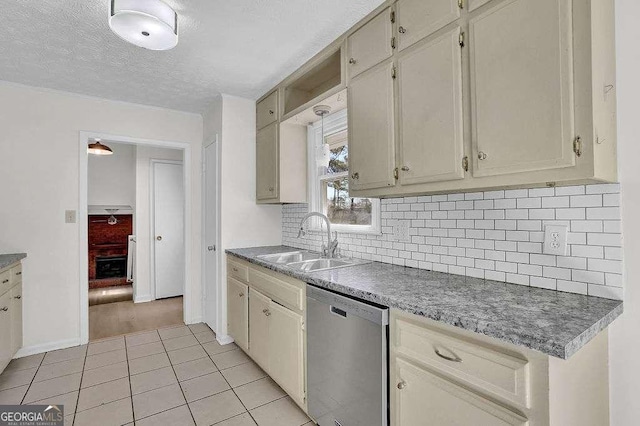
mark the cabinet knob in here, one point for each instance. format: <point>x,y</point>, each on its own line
<point>266,312</point>
<point>352,61</point>
<point>241,294</point>
<point>405,168</point>
<point>355,176</point>
<point>402,30</point>
<point>159,238</point>
<point>235,269</point>
<point>482,156</point>
<point>271,112</point>
<point>5,309</point>
<point>18,297</point>
<point>402,385</point>
<point>19,273</point>
<point>5,281</point>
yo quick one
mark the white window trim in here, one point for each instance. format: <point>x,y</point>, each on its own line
<point>333,123</point>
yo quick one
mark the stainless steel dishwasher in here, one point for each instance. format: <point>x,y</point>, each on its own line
<point>347,359</point>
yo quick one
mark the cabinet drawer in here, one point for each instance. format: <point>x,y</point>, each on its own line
<point>267,110</point>
<point>16,274</point>
<point>238,271</point>
<point>465,361</point>
<point>281,291</point>
<point>5,281</point>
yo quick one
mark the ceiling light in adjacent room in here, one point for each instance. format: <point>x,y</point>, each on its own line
<point>151,24</point>
<point>96,148</point>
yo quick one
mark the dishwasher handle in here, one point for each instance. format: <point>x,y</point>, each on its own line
<point>338,311</point>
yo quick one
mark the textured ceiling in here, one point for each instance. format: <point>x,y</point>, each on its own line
<point>238,47</point>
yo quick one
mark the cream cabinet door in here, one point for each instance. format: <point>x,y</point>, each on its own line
<point>420,398</point>
<point>267,110</point>
<point>16,318</point>
<point>419,18</point>
<point>371,129</point>
<point>259,328</point>
<point>522,87</point>
<point>286,350</point>
<point>267,163</point>
<point>238,312</point>
<point>5,330</point>
<point>370,45</point>
<point>430,111</point>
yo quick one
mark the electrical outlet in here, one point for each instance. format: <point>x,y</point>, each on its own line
<point>555,239</point>
<point>401,231</point>
<point>70,216</point>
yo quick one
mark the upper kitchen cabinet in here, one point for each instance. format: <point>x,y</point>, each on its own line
<point>522,87</point>
<point>371,44</point>
<point>267,163</point>
<point>371,129</point>
<point>267,110</point>
<point>418,18</point>
<point>430,111</point>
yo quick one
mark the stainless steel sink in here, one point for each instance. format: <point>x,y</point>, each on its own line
<point>290,257</point>
<point>308,261</point>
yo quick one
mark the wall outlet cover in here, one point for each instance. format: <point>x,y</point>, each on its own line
<point>555,239</point>
<point>70,216</point>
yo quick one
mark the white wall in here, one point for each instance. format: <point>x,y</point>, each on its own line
<point>39,174</point>
<point>243,223</point>
<point>112,178</point>
<point>142,284</point>
<point>624,351</point>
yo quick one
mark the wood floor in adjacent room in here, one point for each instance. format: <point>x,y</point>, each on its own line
<point>115,319</point>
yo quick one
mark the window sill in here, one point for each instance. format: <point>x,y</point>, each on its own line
<point>346,230</point>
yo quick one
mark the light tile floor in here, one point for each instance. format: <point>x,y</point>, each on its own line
<point>171,376</point>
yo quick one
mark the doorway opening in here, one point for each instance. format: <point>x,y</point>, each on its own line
<point>136,206</point>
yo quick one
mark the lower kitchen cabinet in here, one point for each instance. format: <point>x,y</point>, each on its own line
<point>274,325</point>
<point>259,328</point>
<point>10,313</point>
<point>286,350</point>
<point>238,312</point>
<point>440,375</point>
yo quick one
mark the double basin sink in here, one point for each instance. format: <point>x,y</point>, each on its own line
<point>306,261</point>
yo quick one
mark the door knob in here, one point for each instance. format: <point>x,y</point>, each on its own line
<point>159,238</point>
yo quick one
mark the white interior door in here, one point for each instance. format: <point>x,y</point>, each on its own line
<point>168,223</point>
<point>210,236</point>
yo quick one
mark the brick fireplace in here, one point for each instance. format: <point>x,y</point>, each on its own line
<point>108,250</point>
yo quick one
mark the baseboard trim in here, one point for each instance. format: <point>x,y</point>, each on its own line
<point>224,339</point>
<point>195,321</point>
<point>46,347</point>
<point>142,299</point>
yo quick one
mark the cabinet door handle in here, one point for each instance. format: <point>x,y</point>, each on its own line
<point>5,309</point>
<point>482,156</point>
<point>402,30</point>
<point>355,176</point>
<point>401,385</point>
<point>18,297</point>
<point>454,358</point>
<point>352,61</point>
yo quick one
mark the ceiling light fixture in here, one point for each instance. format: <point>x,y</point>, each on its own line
<point>96,148</point>
<point>151,24</point>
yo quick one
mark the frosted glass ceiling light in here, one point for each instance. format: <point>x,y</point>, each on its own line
<point>151,24</point>
<point>96,148</point>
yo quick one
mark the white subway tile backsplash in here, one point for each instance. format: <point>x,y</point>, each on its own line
<point>496,235</point>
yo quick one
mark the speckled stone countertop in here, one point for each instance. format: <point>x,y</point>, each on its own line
<point>549,321</point>
<point>9,259</point>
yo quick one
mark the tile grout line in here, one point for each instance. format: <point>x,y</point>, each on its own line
<point>75,411</point>
<point>176,375</point>
<point>126,355</point>
<point>33,378</point>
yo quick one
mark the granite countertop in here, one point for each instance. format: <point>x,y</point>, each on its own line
<point>9,259</point>
<point>549,321</point>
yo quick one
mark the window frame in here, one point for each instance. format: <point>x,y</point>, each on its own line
<point>333,124</point>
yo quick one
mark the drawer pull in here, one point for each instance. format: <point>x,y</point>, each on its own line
<point>5,281</point>
<point>454,358</point>
<point>18,297</point>
<point>402,385</point>
<point>5,309</point>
